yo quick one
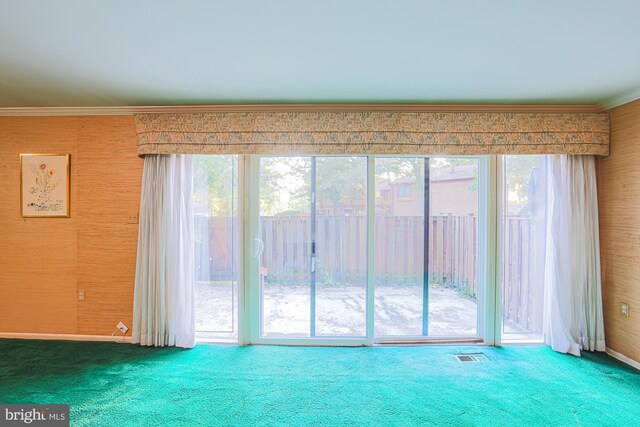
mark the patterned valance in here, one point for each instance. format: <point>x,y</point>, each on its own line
<point>282,133</point>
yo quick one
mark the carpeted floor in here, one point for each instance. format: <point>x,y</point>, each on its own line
<point>118,384</point>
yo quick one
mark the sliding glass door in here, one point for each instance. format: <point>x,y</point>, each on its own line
<point>426,247</point>
<point>365,249</point>
<point>357,249</point>
<point>312,246</point>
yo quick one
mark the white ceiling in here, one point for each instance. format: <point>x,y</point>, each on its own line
<point>119,53</point>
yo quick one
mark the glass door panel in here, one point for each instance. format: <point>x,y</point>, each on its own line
<point>215,202</point>
<point>453,243</point>
<point>441,193</point>
<point>399,246</point>
<point>284,243</point>
<point>313,244</point>
<point>523,247</point>
<point>340,246</point>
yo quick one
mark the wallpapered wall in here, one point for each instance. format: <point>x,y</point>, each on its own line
<point>619,214</point>
<point>45,261</point>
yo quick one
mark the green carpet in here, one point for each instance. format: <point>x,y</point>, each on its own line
<point>118,384</point>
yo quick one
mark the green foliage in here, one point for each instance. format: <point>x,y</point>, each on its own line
<point>401,168</point>
<point>215,184</point>
<point>284,185</point>
<point>340,178</point>
<point>285,182</point>
<point>517,171</point>
<point>462,289</point>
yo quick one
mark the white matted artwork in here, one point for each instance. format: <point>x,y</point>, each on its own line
<point>44,185</point>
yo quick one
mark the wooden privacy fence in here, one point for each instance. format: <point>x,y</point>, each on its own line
<point>399,250</point>
<point>341,248</point>
<point>522,270</point>
<point>215,261</point>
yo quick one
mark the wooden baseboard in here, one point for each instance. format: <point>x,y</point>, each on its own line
<point>621,357</point>
<point>67,337</point>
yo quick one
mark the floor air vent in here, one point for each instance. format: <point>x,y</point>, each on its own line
<point>472,357</point>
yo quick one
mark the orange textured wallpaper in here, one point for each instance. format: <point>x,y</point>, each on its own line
<point>619,214</point>
<point>45,262</point>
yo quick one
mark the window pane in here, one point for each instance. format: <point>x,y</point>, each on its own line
<point>405,297</point>
<point>523,246</point>
<point>285,237</point>
<point>341,245</point>
<point>399,246</point>
<point>215,228</point>
<point>453,247</point>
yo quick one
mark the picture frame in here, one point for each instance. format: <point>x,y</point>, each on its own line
<point>45,182</point>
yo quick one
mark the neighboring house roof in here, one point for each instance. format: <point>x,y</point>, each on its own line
<point>449,173</point>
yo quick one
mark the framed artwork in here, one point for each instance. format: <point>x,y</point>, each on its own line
<point>44,185</point>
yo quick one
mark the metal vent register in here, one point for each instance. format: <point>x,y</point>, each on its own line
<point>472,357</point>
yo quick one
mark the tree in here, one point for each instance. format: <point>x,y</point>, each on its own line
<point>517,175</point>
<point>215,184</point>
<point>284,185</point>
<point>285,181</point>
<point>341,178</point>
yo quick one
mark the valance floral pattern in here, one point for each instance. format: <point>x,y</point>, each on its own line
<point>282,133</point>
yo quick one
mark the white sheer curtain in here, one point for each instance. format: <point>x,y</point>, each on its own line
<point>573,318</point>
<point>163,310</point>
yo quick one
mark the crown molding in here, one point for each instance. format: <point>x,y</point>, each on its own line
<point>623,98</point>
<point>346,107</point>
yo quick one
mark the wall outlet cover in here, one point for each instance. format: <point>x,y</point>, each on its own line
<point>123,328</point>
<point>624,309</point>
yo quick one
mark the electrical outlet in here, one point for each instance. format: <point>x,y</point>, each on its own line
<point>81,295</point>
<point>123,328</point>
<point>132,219</point>
<point>624,309</point>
